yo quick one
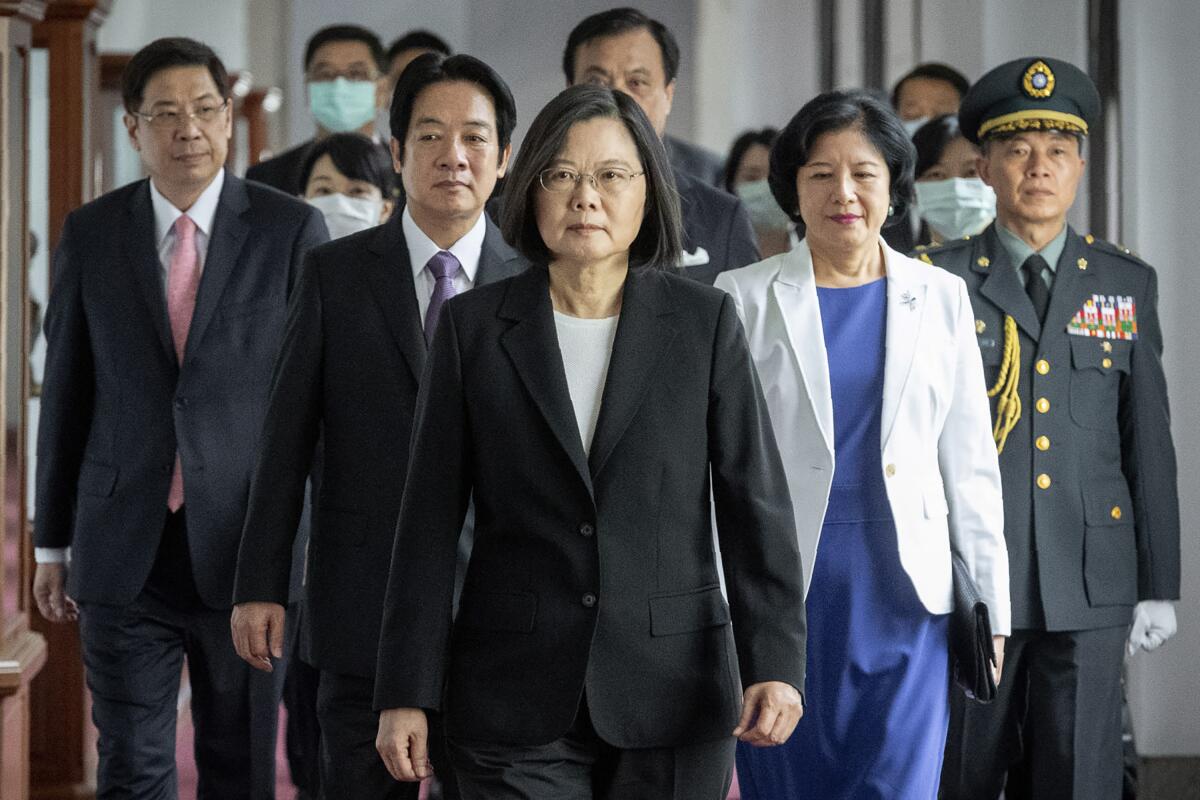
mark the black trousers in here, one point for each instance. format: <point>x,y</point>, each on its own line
<point>303,740</point>
<point>1054,729</point>
<point>133,657</point>
<point>351,767</point>
<point>581,766</point>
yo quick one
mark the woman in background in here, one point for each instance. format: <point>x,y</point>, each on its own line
<point>746,176</point>
<point>952,200</point>
<point>350,179</point>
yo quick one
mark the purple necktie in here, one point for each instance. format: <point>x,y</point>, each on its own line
<point>443,266</point>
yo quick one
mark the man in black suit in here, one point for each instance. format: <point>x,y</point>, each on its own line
<point>345,76</point>
<point>348,374</point>
<point>624,49</point>
<point>169,302</point>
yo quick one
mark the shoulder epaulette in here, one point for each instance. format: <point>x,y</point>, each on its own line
<point>1115,249</point>
<point>928,253</point>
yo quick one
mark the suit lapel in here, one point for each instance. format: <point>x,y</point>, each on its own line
<point>395,293</point>
<point>643,337</point>
<point>224,246</point>
<point>906,294</point>
<point>497,260</point>
<point>795,290</point>
<point>1002,284</point>
<point>1066,298</point>
<point>532,344</point>
<point>142,253</point>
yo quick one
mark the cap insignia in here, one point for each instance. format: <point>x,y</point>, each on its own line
<point>1038,80</point>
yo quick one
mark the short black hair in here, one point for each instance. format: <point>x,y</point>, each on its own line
<point>418,39</point>
<point>358,157</point>
<point>161,54</point>
<point>934,71</point>
<point>658,241</point>
<point>613,23</point>
<point>345,33</point>
<point>931,139</point>
<point>836,111</point>
<point>765,137</point>
<point>430,68</point>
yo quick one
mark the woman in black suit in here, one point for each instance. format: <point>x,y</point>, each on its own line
<point>588,405</point>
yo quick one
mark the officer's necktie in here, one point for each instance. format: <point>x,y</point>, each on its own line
<point>443,266</point>
<point>183,281</point>
<point>1035,284</point>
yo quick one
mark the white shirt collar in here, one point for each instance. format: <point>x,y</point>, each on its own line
<point>421,248</point>
<point>202,211</point>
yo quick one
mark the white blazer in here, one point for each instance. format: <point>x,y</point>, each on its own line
<point>939,460</point>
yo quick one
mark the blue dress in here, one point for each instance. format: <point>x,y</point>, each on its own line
<point>877,685</point>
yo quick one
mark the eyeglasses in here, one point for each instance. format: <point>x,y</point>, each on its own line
<point>608,181</point>
<point>166,119</point>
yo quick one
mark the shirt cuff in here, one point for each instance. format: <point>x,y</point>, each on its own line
<point>51,555</point>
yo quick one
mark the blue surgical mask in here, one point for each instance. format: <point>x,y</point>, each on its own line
<point>341,105</point>
<point>956,207</point>
<point>911,126</point>
<point>765,213</point>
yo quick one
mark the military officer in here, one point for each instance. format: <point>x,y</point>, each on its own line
<point>1071,346</point>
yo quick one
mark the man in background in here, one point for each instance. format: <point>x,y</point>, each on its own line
<point>346,86</point>
<point>626,50</point>
<point>407,47</point>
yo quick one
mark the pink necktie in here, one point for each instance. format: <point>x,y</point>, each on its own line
<point>183,280</point>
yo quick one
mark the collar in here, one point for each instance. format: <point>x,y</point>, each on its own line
<point>202,211</point>
<point>1018,249</point>
<point>421,248</point>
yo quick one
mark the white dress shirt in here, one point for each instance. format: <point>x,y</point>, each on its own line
<point>202,213</point>
<point>421,248</point>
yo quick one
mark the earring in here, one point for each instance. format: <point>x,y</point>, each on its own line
<point>891,210</point>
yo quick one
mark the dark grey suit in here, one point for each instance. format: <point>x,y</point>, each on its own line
<point>282,172</point>
<point>717,223</point>
<point>694,160</point>
<point>116,406</point>
<point>348,374</point>
<point>1091,519</point>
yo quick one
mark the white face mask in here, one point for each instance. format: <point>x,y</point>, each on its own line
<point>911,126</point>
<point>765,213</point>
<point>956,207</point>
<point>345,215</point>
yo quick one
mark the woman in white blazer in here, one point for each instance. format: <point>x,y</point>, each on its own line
<point>873,378</point>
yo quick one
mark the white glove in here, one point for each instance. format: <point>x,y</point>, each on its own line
<point>1153,624</point>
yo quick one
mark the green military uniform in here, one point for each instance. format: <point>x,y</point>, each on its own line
<point>1087,468</point>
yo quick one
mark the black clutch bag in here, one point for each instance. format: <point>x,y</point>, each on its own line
<point>971,653</point>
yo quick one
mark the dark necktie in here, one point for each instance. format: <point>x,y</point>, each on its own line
<point>1035,284</point>
<point>443,266</point>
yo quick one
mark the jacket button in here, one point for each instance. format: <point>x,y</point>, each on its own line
<point>1043,443</point>
<point>1116,512</point>
<point>890,470</point>
<point>1106,363</point>
<point>586,529</point>
<point>588,600</point>
<point>181,402</point>
<point>1043,481</point>
<point>1042,366</point>
<point>1043,405</point>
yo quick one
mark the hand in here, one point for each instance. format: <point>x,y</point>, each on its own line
<point>1153,624</point>
<point>49,582</point>
<point>770,711</point>
<point>403,743</point>
<point>998,647</point>
<point>258,633</point>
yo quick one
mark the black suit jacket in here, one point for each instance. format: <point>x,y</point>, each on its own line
<point>717,222</point>
<point>595,573</point>
<point>348,373</point>
<point>282,172</point>
<point>1104,532</point>
<point>695,161</point>
<point>116,404</point>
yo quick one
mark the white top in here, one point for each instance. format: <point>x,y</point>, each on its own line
<point>202,212</point>
<point>421,248</point>
<point>586,348</point>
